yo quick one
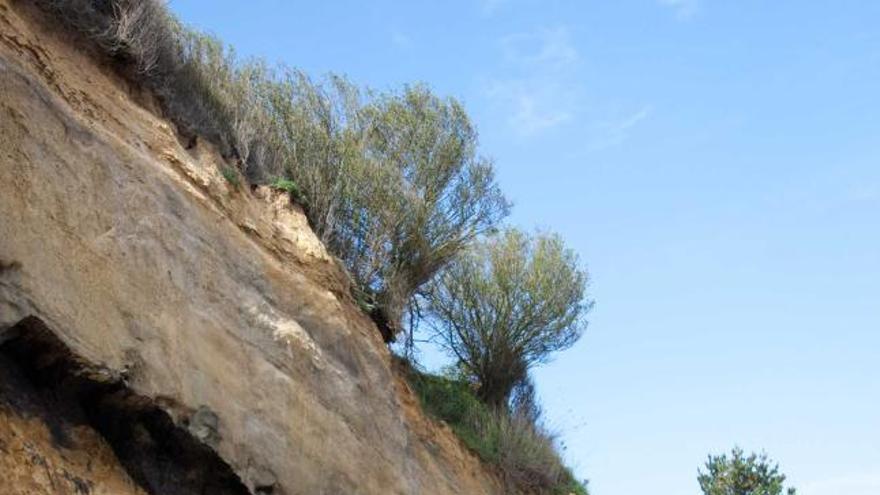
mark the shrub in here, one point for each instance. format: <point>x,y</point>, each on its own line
<point>231,176</point>
<point>434,196</point>
<point>451,400</point>
<point>139,32</point>
<point>524,453</point>
<point>153,49</point>
<point>289,187</point>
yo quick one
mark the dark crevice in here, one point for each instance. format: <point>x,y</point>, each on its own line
<point>159,455</point>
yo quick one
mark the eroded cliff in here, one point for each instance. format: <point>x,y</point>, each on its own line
<point>200,313</point>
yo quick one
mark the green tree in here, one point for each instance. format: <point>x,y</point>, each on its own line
<point>446,195</point>
<point>392,182</point>
<point>506,305</point>
<point>742,475</point>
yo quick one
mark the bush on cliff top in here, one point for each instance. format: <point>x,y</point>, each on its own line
<point>391,182</point>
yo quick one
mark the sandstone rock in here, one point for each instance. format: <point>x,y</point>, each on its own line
<point>143,260</point>
<point>204,425</point>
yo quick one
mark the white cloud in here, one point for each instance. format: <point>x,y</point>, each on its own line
<point>612,132</point>
<point>535,84</point>
<point>543,48</point>
<point>538,87</point>
<point>858,484</point>
<point>684,9</point>
<point>531,105</point>
<point>628,122</point>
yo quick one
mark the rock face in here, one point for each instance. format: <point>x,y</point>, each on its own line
<point>217,308</point>
<point>46,450</point>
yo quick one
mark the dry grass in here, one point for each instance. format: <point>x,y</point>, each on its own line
<point>525,454</point>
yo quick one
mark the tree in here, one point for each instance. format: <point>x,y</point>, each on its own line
<point>506,305</point>
<point>741,475</point>
<point>392,182</point>
<point>446,195</point>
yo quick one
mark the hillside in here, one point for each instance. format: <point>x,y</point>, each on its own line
<point>166,331</point>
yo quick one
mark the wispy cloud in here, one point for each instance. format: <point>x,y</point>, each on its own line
<point>535,82</point>
<point>684,9</point>
<point>612,132</point>
<point>541,49</point>
<point>532,106</point>
<point>538,87</point>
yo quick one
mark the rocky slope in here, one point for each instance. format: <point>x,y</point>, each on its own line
<point>160,328</point>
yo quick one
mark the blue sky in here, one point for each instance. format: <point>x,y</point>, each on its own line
<point>716,165</point>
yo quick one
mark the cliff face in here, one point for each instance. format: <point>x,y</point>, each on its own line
<point>145,301</point>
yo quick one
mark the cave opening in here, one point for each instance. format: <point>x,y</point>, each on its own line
<point>160,456</point>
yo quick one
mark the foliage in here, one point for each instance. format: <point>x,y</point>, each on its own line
<point>742,475</point>
<point>290,187</point>
<point>443,196</point>
<point>231,176</point>
<point>140,32</point>
<point>506,305</point>
<point>151,47</point>
<point>451,400</point>
<point>524,453</point>
<point>392,182</point>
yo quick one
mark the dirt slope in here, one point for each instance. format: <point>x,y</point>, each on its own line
<point>218,306</point>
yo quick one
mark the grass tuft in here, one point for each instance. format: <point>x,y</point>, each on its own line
<point>291,188</point>
<point>231,176</point>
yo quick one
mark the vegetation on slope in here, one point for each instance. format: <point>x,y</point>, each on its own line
<point>502,306</point>
<point>393,184</point>
<point>513,441</point>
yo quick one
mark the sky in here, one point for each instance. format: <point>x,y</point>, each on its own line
<point>715,164</point>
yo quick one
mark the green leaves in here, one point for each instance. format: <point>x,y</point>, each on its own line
<point>507,304</point>
<point>394,185</point>
<point>444,196</point>
<point>231,176</point>
<point>524,453</point>
<point>291,188</point>
<point>742,475</point>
